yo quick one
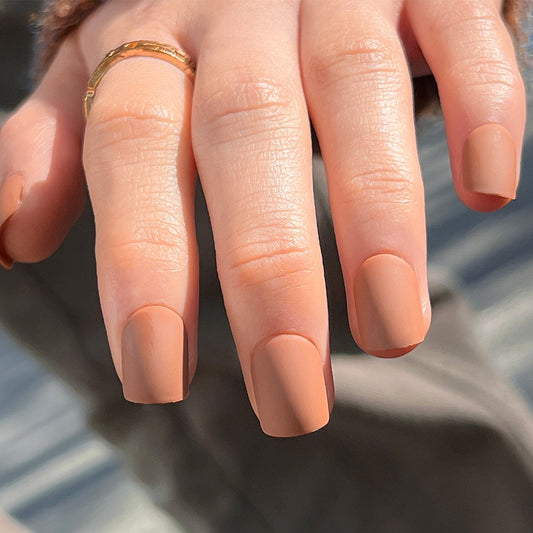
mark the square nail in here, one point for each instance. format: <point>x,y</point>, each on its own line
<point>490,162</point>
<point>289,386</point>
<point>154,357</point>
<point>388,305</point>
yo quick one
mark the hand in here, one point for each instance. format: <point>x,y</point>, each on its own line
<point>262,68</point>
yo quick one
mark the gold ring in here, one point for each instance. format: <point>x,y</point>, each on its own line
<point>137,48</point>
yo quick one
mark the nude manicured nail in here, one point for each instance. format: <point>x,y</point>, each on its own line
<point>289,386</point>
<point>10,198</point>
<point>388,306</point>
<point>490,161</point>
<point>154,357</point>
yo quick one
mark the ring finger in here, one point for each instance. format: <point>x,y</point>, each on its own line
<point>141,174</point>
<point>366,133</point>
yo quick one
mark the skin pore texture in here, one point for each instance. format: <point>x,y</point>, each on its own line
<point>243,127</point>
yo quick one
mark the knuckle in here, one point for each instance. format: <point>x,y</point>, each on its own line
<point>386,188</point>
<point>150,239</point>
<point>356,57</point>
<point>474,17</point>
<point>115,121</point>
<point>239,99</point>
<point>130,137</point>
<point>283,258</point>
<point>492,75</point>
<point>484,58</point>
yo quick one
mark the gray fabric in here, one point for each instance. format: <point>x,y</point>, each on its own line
<point>435,441</point>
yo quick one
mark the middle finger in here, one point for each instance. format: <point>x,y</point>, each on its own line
<point>251,141</point>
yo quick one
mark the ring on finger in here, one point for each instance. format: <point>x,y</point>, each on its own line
<point>165,52</point>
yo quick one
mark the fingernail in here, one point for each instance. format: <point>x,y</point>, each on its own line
<point>388,306</point>
<point>154,357</point>
<point>489,162</point>
<point>289,386</point>
<point>10,199</point>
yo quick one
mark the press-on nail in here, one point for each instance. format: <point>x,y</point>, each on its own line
<point>490,161</point>
<point>10,198</point>
<point>289,386</point>
<point>154,357</point>
<point>388,306</point>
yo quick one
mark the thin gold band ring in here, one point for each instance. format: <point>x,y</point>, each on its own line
<point>135,49</point>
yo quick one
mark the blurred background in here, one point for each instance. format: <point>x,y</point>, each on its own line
<point>55,476</point>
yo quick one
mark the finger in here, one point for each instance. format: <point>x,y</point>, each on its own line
<point>471,55</point>
<point>141,179</point>
<point>252,145</point>
<point>41,178</point>
<point>356,64</point>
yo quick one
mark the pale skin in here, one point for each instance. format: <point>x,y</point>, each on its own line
<point>263,68</point>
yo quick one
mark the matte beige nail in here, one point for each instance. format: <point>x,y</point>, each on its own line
<point>154,356</point>
<point>10,198</point>
<point>490,162</point>
<point>289,386</point>
<point>388,305</point>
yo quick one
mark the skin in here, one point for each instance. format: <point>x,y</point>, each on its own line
<point>244,127</point>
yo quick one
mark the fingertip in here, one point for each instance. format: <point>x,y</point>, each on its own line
<point>10,198</point>
<point>40,150</point>
<point>395,352</point>
<point>484,203</point>
<point>40,223</point>
<point>41,142</point>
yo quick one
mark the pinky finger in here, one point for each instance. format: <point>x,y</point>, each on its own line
<point>472,57</point>
<point>41,177</point>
